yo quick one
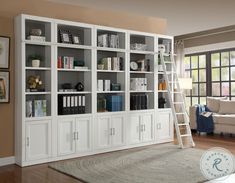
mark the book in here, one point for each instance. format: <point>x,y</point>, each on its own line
<point>37,38</point>
<point>29,108</point>
<point>100,85</point>
<point>107,84</point>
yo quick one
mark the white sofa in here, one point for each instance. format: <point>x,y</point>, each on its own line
<point>223,115</point>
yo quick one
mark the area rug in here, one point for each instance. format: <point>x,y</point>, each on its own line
<point>153,164</point>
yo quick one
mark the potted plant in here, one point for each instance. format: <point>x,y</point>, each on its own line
<point>35,60</point>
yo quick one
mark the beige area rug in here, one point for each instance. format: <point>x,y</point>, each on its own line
<point>164,163</point>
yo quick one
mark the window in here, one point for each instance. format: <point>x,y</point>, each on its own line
<point>195,67</point>
<point>213,74</point>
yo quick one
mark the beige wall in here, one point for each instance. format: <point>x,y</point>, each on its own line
<point>213,36</point>
<point>11,8</point>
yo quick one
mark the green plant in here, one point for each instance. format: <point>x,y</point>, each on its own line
<point>35,57</point>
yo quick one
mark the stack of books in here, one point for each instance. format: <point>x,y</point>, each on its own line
<point>36,108</point>
<point>65,62</point>
<point>112,63</point>
<point>71,104</point>
<point>114,103</point>
<point>108,40</point>
<point>138,84</point>
<point>139,102</point>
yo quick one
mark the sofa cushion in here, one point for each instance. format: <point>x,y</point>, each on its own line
<point>226,119</point>
<point>213,103</point>
<point>227,107</point>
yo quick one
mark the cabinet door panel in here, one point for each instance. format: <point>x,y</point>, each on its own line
<point>38,140</point>
<point>83,126</point>
<point>147,127</point>
<point>66,135</point>
<point>134,129</point>
<point>103,132</point>
<point>164,126</point>
<point>118,130</point>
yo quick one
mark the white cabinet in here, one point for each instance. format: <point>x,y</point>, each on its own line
<point>73,135</point>
<point>164,126</point>
<point>66,136</point>
<point>110,131</point>
<point>141,128</point>
<point>38,140</point>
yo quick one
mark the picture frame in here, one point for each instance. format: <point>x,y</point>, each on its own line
<point>4,86</point>
<point>4,52</point>
<point>76,40</point>
<point>65,36</point>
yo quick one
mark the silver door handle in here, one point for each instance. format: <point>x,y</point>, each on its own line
<point>111,131</point>
<point>27,141</point>
<point>77,135</point>
<point>74,135</point>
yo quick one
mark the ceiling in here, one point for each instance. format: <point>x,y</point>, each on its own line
<point>183,16</point>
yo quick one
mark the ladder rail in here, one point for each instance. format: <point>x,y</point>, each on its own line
<point>170,91</point>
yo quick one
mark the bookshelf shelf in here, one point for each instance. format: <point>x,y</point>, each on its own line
<point>110,49</point>
<point>74,46</point>
<point>103,92</point>
<point>162,91</point>
<point>38,93</point>
<point>74,70</point>
<point>112,71</point>
<point>81,92</point>
<point>38,118</point>
<point>141,72</point>
<point>142,52</point>
<point>45,43</point>
<point>38,68</point>
<point>144,91</point>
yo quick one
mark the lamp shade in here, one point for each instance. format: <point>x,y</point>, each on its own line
<point>185,83</point>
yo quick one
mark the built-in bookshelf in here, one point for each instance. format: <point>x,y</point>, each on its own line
<point>75,81</point>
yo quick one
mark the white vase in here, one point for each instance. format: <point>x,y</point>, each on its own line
<point>35,63</point>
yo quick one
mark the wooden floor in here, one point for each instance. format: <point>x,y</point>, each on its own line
<point>43,174</point>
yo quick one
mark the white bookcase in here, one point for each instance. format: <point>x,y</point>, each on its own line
<point>75,58</point>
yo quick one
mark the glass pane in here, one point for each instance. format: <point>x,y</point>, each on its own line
<point>188,101</point>
<point>215,89</point>
<point>233,88</point>
<point>215,60</point>
<point>202,88</point>
<point>232,73</point>
<point>187,74</point>
<point>216,74</point>
<point>195,90</point>
<point>225,58</point>
<point>225,88</point>
<point>202,61</point>
<point>202,75</point>
<point>186,62</point>
<point>225,74</point>
<point>194,100</point>
<point>195,75</point>
<point>194,62</point>
<point>232,58</point>
<point>203,100</point>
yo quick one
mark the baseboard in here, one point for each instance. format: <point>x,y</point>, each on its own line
<point>7,161</point>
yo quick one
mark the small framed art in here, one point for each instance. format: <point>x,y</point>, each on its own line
<point>65,36</point>
<point>4,52</point>
<point>76,40</point>
<point>4,87</point>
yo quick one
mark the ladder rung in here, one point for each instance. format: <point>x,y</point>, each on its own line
<point>185,135</point>
<point>179,113</point>
<point>183,124</point>
<point>178,102</point>
<point>168,62</point>
<point>177,92</point>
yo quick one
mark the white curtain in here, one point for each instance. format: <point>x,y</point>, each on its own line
<point>179,50</point>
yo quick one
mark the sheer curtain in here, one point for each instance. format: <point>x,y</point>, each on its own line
<point>179,50</point>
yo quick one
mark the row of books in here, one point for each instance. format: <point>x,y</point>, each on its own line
<point>65,62</point>
<point>36,108</point>
<point>103,85</point>
<point>139,101</point>
<point>71,104</point>
<point>138,84</point>
<point>110,103</point>
<point>108,40</point>
<point>112,63</point>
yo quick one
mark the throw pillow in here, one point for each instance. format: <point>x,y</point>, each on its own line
<point>213,103</point>
<point>227,107</point>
